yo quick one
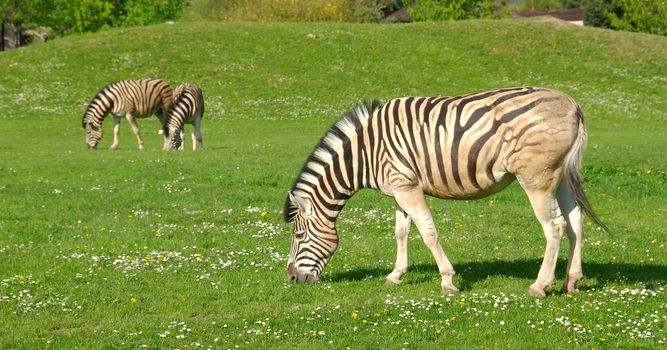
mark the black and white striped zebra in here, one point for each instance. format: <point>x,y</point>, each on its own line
<point>187,108</point>
<point>130,98</point>
<point>448,147</point>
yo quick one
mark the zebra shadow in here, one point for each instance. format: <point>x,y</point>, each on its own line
<point>471,273</point>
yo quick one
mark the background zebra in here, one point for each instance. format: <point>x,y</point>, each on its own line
<point>130,98</point>
<point>449,147</point>
<point>187,108</point>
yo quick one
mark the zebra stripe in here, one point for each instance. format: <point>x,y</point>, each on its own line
<point>460,147</point>
<point>129,98</point>
<point>187,108</point>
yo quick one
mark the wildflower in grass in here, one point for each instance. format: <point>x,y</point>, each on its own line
<point>263,213</point>
<point>133,300</point>
<point>355,314</point>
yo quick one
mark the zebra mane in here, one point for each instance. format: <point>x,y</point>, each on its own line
<point>340,130</point>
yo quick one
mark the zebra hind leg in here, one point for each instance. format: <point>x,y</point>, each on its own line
<point>575,228</point>
<point>549,215</point>
<point>403,223</point>
<point>411,199</point>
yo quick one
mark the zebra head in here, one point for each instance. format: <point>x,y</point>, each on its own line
<point>93,134</point>
<point>172,138</point>
<point>314,240</point>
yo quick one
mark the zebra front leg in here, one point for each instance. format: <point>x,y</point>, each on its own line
<point>412,200</point>
<point>116,131</point>
<point>135,129</point>
<point>182,133</point>
<point>196,135</point>
<point>575,228</point>
<point>549,215</point>
<point>403,223</point>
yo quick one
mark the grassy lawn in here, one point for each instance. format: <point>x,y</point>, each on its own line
<point>187,250</point>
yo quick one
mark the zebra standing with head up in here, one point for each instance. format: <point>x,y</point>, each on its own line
<point>187,108</point>
<point>448,147</point>
<point>130,98</point>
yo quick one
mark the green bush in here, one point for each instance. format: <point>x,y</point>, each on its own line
<point>595,13</point>
<point>648,16</point>
<point>142,12</point>
<point>290,10</point>
<point>442,10</point>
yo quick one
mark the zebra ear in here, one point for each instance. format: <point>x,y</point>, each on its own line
<point>303,204</point>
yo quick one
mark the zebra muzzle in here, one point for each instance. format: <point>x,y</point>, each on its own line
<point>296,276</point>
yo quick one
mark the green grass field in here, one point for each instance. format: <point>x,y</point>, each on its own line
<point>187,250</point>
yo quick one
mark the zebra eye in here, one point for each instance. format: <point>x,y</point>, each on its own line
<point>300,234</point>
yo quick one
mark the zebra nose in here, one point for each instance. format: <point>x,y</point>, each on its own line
<point>292,272</point>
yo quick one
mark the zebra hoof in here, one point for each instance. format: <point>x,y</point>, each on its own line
<point>393,281</point>
<point>449,289</point>
<point>536,292</point>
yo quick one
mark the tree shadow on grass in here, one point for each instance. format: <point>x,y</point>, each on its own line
<point>474,272</point>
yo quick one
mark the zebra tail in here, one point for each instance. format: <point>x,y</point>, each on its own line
<point>572,170</point>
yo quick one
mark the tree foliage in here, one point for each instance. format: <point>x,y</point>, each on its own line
<point>648,16</point>
<point>442,10</point>
<point>81,16</point>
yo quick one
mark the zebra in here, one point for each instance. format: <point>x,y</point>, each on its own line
<point>187,108</point>
<point>130,98</point>
<point>462,147</point>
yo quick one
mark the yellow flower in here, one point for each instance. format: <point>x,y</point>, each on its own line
<point>364,321</point>
<point>453,318</point>
<point>355,315</point>
<point>198,254</point>
<point>133,300</point>
<point>263,214</point>
<point>161,257</point>
<point>462,303</point>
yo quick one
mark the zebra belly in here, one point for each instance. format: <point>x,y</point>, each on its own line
<point>487,188</point>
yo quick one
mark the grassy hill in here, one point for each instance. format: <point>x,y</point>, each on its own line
<point>129,248</point>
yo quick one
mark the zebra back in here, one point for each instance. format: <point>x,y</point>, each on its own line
<point>140,98</point>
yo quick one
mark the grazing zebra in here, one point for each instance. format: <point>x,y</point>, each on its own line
<point>130,98</point>
<point>187,108</point>
<point>448,147</point>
